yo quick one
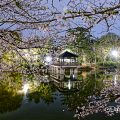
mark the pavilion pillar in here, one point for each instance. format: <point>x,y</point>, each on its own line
<point>61,71</point>
<point>70,61</point>
<point>51,70</point>
<point>54,70</point>
<point>71,71</point>
<point>75,60</point>
<point>61,60</point>
<point>75,72</point>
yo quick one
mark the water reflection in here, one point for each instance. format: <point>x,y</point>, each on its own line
<point>69,84</point>
<point>9,99</point>
<point>25,88</point>
<point>102,102</point>
<point>115,79</point>
<point>44,92</point>
<point>91,93</point>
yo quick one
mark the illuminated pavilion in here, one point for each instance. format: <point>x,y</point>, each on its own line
<point>66,64</point>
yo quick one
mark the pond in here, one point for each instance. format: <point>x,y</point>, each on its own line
<point>93,96</point>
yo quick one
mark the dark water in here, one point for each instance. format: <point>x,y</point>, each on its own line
<point>40,111</point>
<point>24,97</point>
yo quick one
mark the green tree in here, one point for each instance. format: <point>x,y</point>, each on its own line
<point>83,44</point>
<point>105,45</point>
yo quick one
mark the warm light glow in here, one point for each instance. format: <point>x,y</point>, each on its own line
<point>73,76</point>
<point>48,59</point>
<point>115,79</point>
<point>67,60</point>
<point>69,85</point>
<point>25,88</point>
<point>115,53</point>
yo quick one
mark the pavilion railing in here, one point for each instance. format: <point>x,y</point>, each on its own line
<point>67,64</point>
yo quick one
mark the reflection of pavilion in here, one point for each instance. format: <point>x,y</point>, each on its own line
<point>67,85</point>
<point>65,65</point>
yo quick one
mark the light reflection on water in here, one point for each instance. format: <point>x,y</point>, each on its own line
<point>94,95</point>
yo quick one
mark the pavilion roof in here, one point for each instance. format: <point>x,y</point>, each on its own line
<point>67,54</point>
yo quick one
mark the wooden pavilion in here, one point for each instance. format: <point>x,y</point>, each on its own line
<point>65,65</point>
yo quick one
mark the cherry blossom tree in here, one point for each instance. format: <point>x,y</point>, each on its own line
<point>52,19</point>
